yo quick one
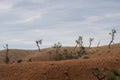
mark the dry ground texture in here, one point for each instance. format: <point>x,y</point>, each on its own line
<point>43,68</point>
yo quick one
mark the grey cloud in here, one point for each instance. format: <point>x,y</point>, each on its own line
<point>24,21</point>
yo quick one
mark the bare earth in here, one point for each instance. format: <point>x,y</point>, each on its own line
<point>41,68</point>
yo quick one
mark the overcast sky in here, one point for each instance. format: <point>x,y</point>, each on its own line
<point>24,21</point>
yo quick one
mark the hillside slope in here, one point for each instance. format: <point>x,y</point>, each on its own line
<point>43,55</point>
<point>79,69</point>
<point>75,69</point>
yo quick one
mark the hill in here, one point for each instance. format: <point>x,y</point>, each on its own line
<point>75,69</point>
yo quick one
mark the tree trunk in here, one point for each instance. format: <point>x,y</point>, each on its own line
<point>38,47</point>
<point>90,44</point>
<point>110,43</point>
<point>6,57</point>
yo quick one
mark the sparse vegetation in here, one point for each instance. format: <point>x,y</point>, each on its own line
<point>66,56</point>
<point>50,54</point>
<point>6,55</point>
<point>57,46</point>
<point>58,57</point>
<point>81,51</point>
<point>47,68</point>
<point>79,42</point>
<point>100,74</point>
<point>30,60</point>
<point>98,44</point>
<point>86,57</point>
<point>114,75</point>
<point>97,73</point>
<point>38,42</point>
<point>60,40</point>
<point>108,51</point>
<point>112,35</point>
<point>19,61</point>
<point>106,74</point>
<point>90,41</point>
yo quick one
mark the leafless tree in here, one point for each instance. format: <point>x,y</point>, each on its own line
<point>39,42</point>
<point>90,41</point>
<point>57,46</point>
<point>98,43</point>
<point>6,56</point>
<point>112,33</point>
<point>79,42</point>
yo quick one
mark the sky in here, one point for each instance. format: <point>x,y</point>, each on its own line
<point>22,22</point>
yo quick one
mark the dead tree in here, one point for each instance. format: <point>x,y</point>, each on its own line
<point>79,42</point>
<point>98,43</point>
<point>6,55</point>
<point>90,41</point>
<point>57,47</point>
<point>38,42</point>
<point>112,33</point>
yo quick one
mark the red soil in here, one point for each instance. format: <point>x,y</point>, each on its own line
<point>80,69</point>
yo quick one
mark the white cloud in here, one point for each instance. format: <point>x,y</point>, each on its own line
<point>112,15</point>
<point>37,1</point>
<point>92,19</point>
<point>27,20</point>
<point>24,21</point>
<point>5,7</point>
<point>20,41</point>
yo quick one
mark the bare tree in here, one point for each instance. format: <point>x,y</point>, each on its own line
<point>39,42</point>
<point>112,33</point>
<point>79,42</point>
<point>98,43</point>
<point>6,56</point>
<point>90,41</point>
<point>57,47</point>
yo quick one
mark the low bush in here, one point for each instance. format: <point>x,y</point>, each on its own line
<point>19,61</point>
<point>30,60</point>
<point>114,75</point>
<point>86,57</point>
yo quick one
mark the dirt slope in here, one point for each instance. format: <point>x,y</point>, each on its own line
<point>43,55</point>
<point>16,54</point>
<point>76,69</point>
<point>79,69</point>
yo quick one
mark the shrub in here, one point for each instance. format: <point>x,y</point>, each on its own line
<point>58,57</point>
<point>98,73</point>
<point>30,60</point>
<point>19,61</point>
<point>111,77</point>
<point>114,75</point>
<point>75,57</point>
<point>106,74</point>
<point>108,51</point>
<point>70,56</point>
<point>86,57</point>
<point>116,72</point>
